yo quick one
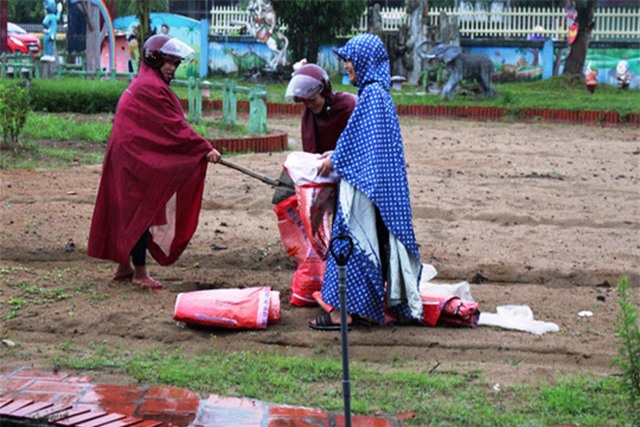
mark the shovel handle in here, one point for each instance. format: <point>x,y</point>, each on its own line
<point>263,178</point>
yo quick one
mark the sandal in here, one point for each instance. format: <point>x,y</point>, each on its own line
<point>363,321</point>
<point>324,323</point>
<point>147,283</point>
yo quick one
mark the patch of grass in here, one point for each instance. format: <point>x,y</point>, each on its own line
<point>15,305</point>
<point>212,129</point>
<point>553,94</point>
<point>65,140</point>
<point>33,156</point>
<point>26,287</point>
<point>436,398</point>
<point>64,127</point>
<point>560,92</point>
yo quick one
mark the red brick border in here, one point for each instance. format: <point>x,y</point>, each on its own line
<point>586,117</point>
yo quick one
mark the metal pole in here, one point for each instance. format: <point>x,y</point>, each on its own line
<point>341,256</point>
<point>344,332</point>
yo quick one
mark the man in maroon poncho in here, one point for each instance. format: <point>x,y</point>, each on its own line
<point>153,174</point>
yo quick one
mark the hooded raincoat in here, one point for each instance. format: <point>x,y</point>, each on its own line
<point>152,176</point>
<point>369,158</point>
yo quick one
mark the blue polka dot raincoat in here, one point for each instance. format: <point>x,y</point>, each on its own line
<point>369,158</point>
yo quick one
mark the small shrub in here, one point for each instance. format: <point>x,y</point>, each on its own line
<point>628,359</point>
<point>14,108</point>
<point>76,95</point>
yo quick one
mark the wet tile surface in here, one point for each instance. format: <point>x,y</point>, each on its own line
<point>67,401</point>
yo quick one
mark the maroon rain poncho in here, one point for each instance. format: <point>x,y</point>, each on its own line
<point>153,175</point>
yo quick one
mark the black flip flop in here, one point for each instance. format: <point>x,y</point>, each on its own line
<point>362,321</point>
<point>324,323</point>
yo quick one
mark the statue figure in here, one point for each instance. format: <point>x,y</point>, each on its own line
<point>50,23</point>
<point>402,54</point>
<point>268,14</point>
<point>461,66</point>
<point>572,24</point>
<point>374,19</point>
<point>416,12</point>
<point>623,75</point>
<point>449,31</point>
<point>253,9</point>
<point>590,78</point>
<point>262,26</point>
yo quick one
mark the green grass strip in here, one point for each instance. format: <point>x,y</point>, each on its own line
<point>441,398</point>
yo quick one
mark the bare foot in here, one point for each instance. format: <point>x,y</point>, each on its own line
<point>124,272</point>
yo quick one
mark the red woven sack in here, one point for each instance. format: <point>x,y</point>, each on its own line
<point>249,308</point>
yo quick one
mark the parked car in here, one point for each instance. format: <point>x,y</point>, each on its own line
<point>19,40</point>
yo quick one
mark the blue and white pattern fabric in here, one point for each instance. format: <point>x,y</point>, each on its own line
<point>369,158</point>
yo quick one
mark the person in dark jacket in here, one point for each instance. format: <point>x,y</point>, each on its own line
<point>326,113</point>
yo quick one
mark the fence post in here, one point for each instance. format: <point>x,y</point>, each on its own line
<point>257,110</point>
<point>198,90</point>
<point>229,103</point>
<point>225,102</point>
<point>191,99</point>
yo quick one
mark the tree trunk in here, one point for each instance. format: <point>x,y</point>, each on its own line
<point>417,18</point>
<point>93,40</point>
<point>304,48</point>
<point>578,52</point>
<point>312,53</point>
<point>144,30</point>
<point>3,26</point>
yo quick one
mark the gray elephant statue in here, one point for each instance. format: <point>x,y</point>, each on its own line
<point>460,66</point>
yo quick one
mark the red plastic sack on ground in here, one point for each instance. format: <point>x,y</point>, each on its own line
<point>439,309</point>
<point>249,308</point>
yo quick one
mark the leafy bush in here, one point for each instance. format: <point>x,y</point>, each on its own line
<point>14,108</point>
<point>76,95</point>
<point>628,333</point>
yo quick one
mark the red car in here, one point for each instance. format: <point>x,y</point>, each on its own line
<point>18,40</point>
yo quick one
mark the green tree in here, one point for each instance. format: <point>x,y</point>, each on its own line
<point>142,9</point>
<point>25,12</point>
<point>128,7</point>
<point>312,23</point>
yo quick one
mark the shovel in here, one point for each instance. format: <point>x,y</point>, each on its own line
<point>283,186</point>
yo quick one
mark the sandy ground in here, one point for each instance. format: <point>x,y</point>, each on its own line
<point>543,215</point>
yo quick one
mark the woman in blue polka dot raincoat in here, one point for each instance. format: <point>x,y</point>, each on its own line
<point>374,209</point>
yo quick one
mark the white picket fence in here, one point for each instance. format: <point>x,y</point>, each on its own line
<point>476,22</point>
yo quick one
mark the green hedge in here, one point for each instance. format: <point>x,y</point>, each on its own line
<point>75,95</point>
